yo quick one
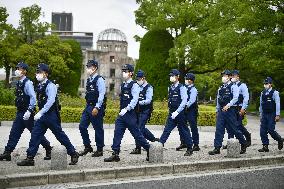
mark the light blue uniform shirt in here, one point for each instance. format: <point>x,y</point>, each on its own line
<point>29,90</point>
<point>243,89</point>
<point>135,94</point>
<point>183,95</point>
<point>149,94</point>
<point>101,88</point>
<point>275,97</point>
<point>234,90</point>
<point>51,92</point>
<point>193,95</point>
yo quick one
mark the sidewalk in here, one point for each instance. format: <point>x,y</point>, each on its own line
<point>170,155</point>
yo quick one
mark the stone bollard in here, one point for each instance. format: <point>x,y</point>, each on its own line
<point>233,148</point>
<point>156,154</point>
<point>58,158</point>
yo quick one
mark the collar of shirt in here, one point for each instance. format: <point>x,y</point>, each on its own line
<point>191,85</point>
<point>144,84</point>
<point>44,81</point>
<point>128,81</point>
<point>92,77</point>
<point>175,85</point>
<point>21,80</point>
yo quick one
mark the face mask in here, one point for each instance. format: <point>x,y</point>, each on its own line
<point>140,82</point>
<point>90,71</point>
<point>266,86</point>
<point>39,77</point>
<point>18,73</point>
<point>172,79</point>
<point>125,75</point>
<point>186,82</point>
<point>234,79</point>
<point>225,79</point>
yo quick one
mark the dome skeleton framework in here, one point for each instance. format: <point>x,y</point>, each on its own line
<point>112,34</point>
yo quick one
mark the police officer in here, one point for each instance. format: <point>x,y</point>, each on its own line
<point>47,117</point>
<point>191,112</point>
<point>94,111</point>
<point>241,106</point>
<point>127,116</point>
<point>227,97</point>
<point>270,114</point>
<point>177,99</point>
<point>144,109</point>
<point>25,103</point>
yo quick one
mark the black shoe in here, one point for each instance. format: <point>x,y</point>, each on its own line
<point>214,152</point>
<point>98,153</point>
<point>248,139</point>
<point>156,140</point>
<point>136,151</point>
<point>181,146</point>
<point>74,159</point>
<point>264,148</point>
<point>147,158</point>
<point>48,154</point>
<point>188,152</point>
<point>280,144</point>
<point>86,150</point>
<point>195,148</point>
<point>5,156</point>
<point>243,148</point>
<point>113,158</point>
<point>225,147</point>
<point>29,161</point>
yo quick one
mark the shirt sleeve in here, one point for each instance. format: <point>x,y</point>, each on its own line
<point>29,90</point>
<point>277,101</point>
<point>135,95</point>
<point>149,96</point>
<point>235,91</point>
<point>193,96</point>
<point>184,96</point>
<point>245,94</point>
<point>51,91</point>
<point>260,104</point>
<point>102,90</point>
<point>217,102</point>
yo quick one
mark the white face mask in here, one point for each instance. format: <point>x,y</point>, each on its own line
<point>18,73</point>
<point>89,71</point>
<point>266,86</point>
<point>140,82</point>
<point>225,79</point>
<point>39,77</point>
<point>173,79</point>
<point>234,79</point>
<point>125,75</point>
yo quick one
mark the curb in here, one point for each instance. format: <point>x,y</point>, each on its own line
<point>56,177</point>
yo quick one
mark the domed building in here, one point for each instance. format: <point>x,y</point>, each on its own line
<point>111,53</point>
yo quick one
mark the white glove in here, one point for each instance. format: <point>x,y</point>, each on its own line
<point>27,115</point>
<point>122,112</point>
<point>174,114</point>
<point>37,116</point>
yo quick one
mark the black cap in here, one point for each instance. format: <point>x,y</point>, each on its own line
<point>42,67</point>
<point>268,80</point>
<point>128,67</point>
<point>226,72</point>
<point>190,76</point>
<point>235,72</point>
<point>174,72</point>
<point>22,65</point>
<point>92,63</point>
<point>140,74</point>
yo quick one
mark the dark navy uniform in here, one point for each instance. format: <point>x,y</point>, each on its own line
<point>144,110</point>
<point>95,94</point>
<point>177,99</point>
<point>47,118</point>
<point>269,109</point>
<point>227,95</point>
<point>127,117</point>
<point>25,102</point>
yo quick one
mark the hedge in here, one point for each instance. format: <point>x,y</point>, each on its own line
<point>205,118</point>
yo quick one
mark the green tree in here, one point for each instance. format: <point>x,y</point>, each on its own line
<point>153,53</point>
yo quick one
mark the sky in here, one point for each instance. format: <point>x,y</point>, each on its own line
<point>88,16</point>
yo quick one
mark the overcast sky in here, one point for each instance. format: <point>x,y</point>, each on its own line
<point>88,16</point>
